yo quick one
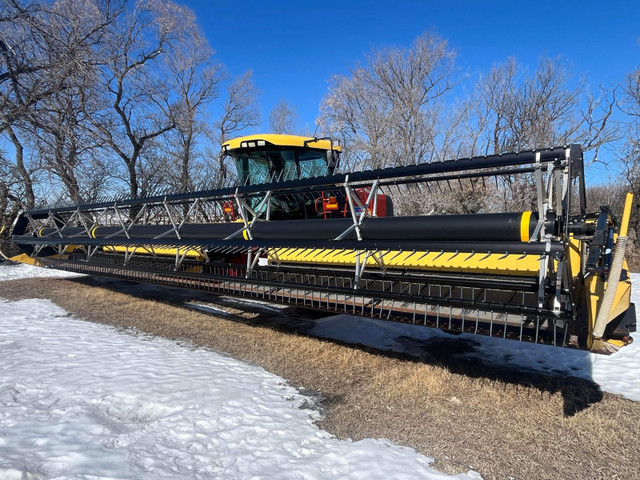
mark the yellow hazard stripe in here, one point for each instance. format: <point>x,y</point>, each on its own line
<point>524,226</point>
<point>452,261</point>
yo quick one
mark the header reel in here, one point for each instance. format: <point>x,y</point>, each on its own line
<point>543,276</point>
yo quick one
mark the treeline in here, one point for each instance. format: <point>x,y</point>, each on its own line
<point>104,97</point>
<point>410,105</point>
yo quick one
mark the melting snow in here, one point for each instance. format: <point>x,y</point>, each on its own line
<point>21,270</point>
<point>82,400</point>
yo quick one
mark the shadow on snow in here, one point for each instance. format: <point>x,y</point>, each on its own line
<point>546,368</point>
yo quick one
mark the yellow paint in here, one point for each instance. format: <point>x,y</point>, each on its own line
<point>575,256</point>
<point>595,288</point>
<point>524,226</point>
<point>624,225</point>
<point>150,250</point>
<point>24,258</point>
<point>617,343</point>
<point>622,299</point>
<point>281,141</point>
<point>495,263</point>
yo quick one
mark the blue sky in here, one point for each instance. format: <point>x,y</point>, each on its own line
<point>294,48</point>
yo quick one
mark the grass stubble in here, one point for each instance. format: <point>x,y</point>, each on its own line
<point>460,416</point>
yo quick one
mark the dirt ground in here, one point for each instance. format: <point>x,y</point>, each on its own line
<point>505,424</point>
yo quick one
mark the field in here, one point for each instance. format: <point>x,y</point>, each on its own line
<point>502,422</point>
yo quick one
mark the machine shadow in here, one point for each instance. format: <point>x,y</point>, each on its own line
<point>578,393</point>
<point>459,356</point>
<point>456,353</point>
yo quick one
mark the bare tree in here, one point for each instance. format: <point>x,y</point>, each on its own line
<point>513,109</point>
<point>283,118</point>
<point>92,89</point>
<point>137,105</point>
<point>239,112</point>
<point>47,50</point>
<point>25,61</point>
<point>11,196</point>
<point>389,110</point>
<point>240,109</point>
<point>630,105</point>
<point>195,78</point>
<point>629,159</point>
<point>59,125</point>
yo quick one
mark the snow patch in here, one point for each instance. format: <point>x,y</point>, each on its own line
<point>84,400</point>
<point>206,308</point>
<point>16,271</point>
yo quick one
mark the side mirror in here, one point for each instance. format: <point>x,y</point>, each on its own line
<point>333,159</point>
<point>223,166</point>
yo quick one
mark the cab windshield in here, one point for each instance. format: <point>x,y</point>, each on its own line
<point>270,165</point>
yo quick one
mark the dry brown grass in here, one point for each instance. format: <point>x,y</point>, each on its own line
<point>502,423</point>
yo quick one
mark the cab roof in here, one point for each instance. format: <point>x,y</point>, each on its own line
<point>262,140</point>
